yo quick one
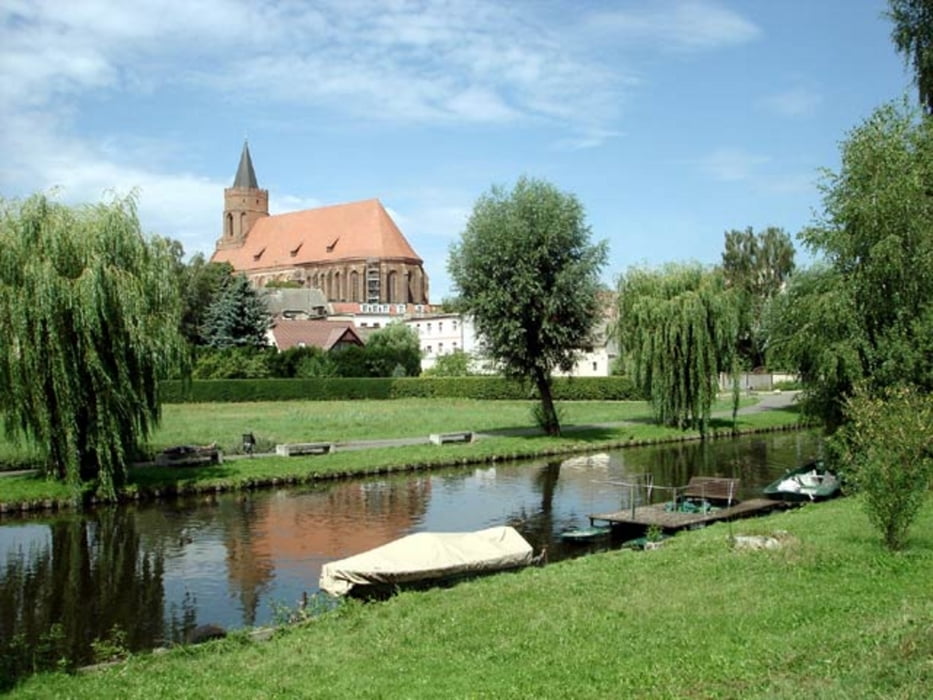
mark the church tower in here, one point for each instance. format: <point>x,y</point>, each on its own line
<point>244,204</point>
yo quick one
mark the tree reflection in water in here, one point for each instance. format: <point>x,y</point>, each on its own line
<point>80,584</point>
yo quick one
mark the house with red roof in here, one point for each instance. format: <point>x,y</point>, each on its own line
<point>353,252</point>
<point>288,333</point>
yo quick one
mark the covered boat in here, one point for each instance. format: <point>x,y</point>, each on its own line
<point>428,556</point>
<point>810,482</point>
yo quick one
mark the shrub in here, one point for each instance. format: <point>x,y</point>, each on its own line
<point>887,446</point>
<point>343,388</point>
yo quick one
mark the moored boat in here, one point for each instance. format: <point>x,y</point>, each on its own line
<point>811,482</point>
<point>426,557</point>
<point>585,534</point>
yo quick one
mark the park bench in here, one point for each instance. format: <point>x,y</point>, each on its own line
<point>304,448</point>
<point>445,438</point>
<point>712,488</point>
<point>189,456</point>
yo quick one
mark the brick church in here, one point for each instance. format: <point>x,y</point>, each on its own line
<point>352,252</point>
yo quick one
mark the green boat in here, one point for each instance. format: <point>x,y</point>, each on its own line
<point>690,505</point>
<point>585,534</point>
<point>642,542</point>
<point>811,482</point>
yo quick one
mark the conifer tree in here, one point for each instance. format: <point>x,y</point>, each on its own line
<point>237,317</point>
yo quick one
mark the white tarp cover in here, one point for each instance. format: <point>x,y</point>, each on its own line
<point>428,555</point>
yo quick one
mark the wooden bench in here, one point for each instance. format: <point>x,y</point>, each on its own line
<point>712,488</point>
<point>304,448</point>
<point>189,456</point>
<point>445,438</point>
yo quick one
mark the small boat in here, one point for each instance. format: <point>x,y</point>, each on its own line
<point>585,534</point>
<point>811,482</point>
<point>427,557</point>
<point>691,505</point>
<point>646,542</point>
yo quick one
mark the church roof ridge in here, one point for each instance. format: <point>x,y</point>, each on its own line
<point>345,231</point>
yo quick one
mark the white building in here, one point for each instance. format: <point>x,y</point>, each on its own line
<point>442,334</point>
<point>371,317</point>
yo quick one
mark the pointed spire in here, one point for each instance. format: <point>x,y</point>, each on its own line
<point>245,175</point>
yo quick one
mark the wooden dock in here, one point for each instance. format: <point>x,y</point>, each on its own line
<point>671,521</point>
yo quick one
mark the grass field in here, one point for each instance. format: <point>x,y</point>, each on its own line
<point>588,426</point>
<point>831,615</point>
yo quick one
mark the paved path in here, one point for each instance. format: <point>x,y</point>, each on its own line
<point>766,402</point>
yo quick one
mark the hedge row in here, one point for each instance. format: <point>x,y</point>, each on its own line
<point>335,389</point>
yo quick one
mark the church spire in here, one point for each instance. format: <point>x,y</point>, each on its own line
<point>245,175</point>
<point>244,204</point>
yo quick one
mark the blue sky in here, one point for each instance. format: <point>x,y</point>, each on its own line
<point>671,120</point>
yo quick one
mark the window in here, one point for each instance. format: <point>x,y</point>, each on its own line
<point>440,348</point>
<point>455,325</point>
<point>440,326</point>
<point>429,349</point>
<point>594,366</point>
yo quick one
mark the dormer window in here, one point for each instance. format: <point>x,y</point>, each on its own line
<point>259,254</point>
<point>295,250</point>
<point>330,248</point>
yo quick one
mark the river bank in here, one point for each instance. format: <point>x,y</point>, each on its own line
<point>830,614</point>
<point>501,439</point>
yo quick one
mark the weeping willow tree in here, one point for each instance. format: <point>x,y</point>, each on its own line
<point>89,318</point>
<point>678,328</point>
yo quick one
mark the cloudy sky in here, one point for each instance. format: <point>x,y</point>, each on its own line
<point>671,120</point>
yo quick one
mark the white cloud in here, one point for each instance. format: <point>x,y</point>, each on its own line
<point>279,204</point>
<point>678,25</point>
<point>795,102</point>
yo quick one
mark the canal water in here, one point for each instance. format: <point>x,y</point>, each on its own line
<point>144,575</point>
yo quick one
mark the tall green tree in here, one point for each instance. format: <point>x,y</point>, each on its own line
<point>394,351</point>
<point>201,284</point>
<point>237,317</point>
<point>873,302</point>
<point>89,321</point>
<point>913,36</point>
<point>526,271</point>
<point>677,331</point>
<point>756,265</point>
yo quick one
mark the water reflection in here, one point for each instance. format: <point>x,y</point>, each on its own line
<point>73,581</point>
<point>155,571</point>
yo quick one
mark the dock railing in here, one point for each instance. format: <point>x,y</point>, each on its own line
<point>642,489</point>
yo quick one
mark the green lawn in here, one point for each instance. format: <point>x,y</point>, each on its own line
<point>832,615</point>
<point>274,422</point>
<point>588,426</point>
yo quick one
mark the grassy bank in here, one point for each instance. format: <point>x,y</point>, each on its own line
<point>588,426</point>
<point>832,615</point>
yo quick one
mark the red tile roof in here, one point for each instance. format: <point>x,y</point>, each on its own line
<point>289,333</point>
<point>353,231</point>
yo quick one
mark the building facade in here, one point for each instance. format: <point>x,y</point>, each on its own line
<point>352,252</point>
